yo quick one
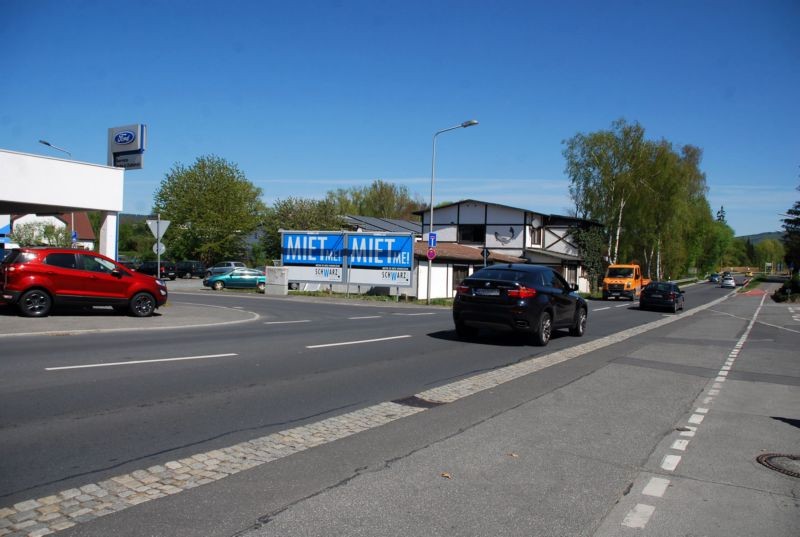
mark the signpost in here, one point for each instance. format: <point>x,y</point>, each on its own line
<point>157,228</point>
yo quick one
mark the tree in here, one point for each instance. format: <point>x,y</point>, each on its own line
<point>379,199</point>
<point>41,234</point>
<point>791,237</point>
<point>212,207</point>
<point>721,214</point>
<point>768,251</point>
<point>298,214</point>
<point>591,242</point>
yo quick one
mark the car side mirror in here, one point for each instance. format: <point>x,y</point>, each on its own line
<point>116,273</point>
<point>573,287</point>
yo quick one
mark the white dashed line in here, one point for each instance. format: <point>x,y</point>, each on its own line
<point>601,309</point>
<point>414,314</point>
<point>680,444</point>
<point>670,462</point>
<point>638,516</point>
<point>288,322</point>
<point>701,410</point>
<point>365,317</point>
<point>696,419</point>
<point>355,342</point>
<point>136,362</point>
<point>656,487</point>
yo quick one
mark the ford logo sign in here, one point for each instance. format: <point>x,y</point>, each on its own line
<point>124,137</point>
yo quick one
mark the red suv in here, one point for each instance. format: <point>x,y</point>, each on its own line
<point>36,279</point>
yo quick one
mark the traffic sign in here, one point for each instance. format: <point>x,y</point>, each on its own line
<point>159,248</point>
<point>431,253</point>
<point>74,236</point>
<point>158,227</point>
<point>431,240</point>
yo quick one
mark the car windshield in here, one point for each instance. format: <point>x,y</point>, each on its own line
<point>620,272</point>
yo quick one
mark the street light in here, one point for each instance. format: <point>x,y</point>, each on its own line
<point>48,144</point>
<point>463,125</point>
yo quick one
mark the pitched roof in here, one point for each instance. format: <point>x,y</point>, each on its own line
<point>550,219</point>
<point>391,225</point>
<point>450,251</point>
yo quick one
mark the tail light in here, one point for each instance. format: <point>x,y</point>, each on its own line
<point>672,296</point>
<point>462,290</point>
<point>522,292</point>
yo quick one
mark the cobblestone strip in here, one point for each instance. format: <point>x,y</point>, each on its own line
<point>45,516</point>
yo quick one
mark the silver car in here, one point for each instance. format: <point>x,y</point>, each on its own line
<point>728,282</point>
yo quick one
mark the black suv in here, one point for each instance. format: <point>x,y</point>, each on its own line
<point>189,269</point>
<point>529,299</point>
<point>151,268</point>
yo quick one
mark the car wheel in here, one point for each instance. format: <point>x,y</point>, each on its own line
<point>142,305</point>
<point>579,327</point>
<point>187,276</point>
<point>466,332</point>
<point>261,287</point>
<point>35,303</point>
<point>218,286</point>
<point>545,329</point>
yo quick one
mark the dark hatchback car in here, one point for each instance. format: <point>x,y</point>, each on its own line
<point>661,295</point>
<point>190,269</point>
<point>532,300</point>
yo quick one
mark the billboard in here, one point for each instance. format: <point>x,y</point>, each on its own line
<point>384,259</point>
<point>126,146</point>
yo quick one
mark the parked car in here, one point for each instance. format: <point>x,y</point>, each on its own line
<point>223,267</point>
<point>189,269</point>
<point>240,278</point>
<point>728,282</point>
<point>529,299</point>
<point>662,295</point>
<point>714,278</point>
<point>37,279</point>
<point>151,268</point>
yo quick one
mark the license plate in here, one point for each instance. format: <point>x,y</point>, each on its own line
<point>614,294</point>
<point>487,292</point>
<point>655,296</point>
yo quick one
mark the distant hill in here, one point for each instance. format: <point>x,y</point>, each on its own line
<point>758,237</point>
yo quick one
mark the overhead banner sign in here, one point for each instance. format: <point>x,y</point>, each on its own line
<point>384,259</point>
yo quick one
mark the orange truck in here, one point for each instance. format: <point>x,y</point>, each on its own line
<point>623,281</point>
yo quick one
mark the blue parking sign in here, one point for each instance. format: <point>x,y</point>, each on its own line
<point>432,240</point>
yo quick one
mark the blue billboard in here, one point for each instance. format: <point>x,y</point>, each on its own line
<point>380,251</point>
<point>312,249</point>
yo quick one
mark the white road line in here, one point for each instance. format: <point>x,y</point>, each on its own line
<point>355,342</point>
<point>601,309</point>
<point>701,410</point>
<point>680,444</point>
<point>656,487</point>
<point>670,462</point>
<point>414,314</point>
<point>638,516</point>
<point>288,322</point>
<point>696,419</point>
<point>365,317</point>
<point>134,362</point>
<point>622,306</point>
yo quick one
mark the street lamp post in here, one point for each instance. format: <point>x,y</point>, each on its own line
<point>48,144</point>
<point>463,125</point>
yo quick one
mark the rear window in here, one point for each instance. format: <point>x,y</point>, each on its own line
<point>509,275</point>
<point>660,286</point>
<point>18,256</point>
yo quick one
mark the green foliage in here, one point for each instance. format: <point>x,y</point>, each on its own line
<point>297,214</point>
<point>791,237</point>
<point>212,209</point>
<point>136,240</point>
<point>41,234</point>
<point>591,243</point>
<point>380,199</point>
<point>768,251</point>
<point>650,198</point>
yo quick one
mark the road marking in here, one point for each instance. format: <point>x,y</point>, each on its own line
<point>414,314</point>
<point>656,487</point>
<point>365,317</point>
<point>355,342</point>
<point>638,516</point>
<point>134,362</point>
<point>701,410</point>
<point>601,309</point>
<point>680,445</point>
<point>622,306</point>
<point>696,419</point>
<point>670,462</point>
<point>288,322</point>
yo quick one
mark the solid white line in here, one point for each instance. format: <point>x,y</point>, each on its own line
<point>287,322</point>
<point>414,314</point>
<point>622,306</point>
<point>638,516</point>
<point>366,317</point>
<point>656,487</point>
<point>601,309</point>
<point>355,342</point>
<point>132,362</point>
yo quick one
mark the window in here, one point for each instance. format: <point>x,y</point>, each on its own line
<point>96,264</point>
<point>472,233</point>
<point>536,235</point>
<point>459,273</point>
<point>60,260</point>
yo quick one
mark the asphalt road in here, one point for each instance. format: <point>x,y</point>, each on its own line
<point>300,361</point>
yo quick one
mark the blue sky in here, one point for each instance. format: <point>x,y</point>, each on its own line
<point>309,96</point>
